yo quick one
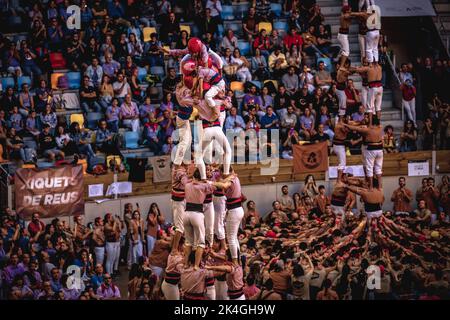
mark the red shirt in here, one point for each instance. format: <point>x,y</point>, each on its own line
<point>290,40</point>
<point>408,93</point>
<point>33,228</point>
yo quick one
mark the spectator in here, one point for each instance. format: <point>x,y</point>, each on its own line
<point>259,66</point>
<point>322,77</point>
<point>270,120</point>
<point>251,99</point>
<point>431,196</point>
<point>152,49</point>
<point>129,114</point>
<point>9,100</point>
<point>28,58</point>
<point>389,142</point>
<point>402,198</point>
<point>428,135</point>
<point>106,141</point>
<point>293,39</point>
<point>266,100</point>
<point>110,67</point>
<point>108,290</point>
<point>64,142</point>
<point>306,78</point>
<point>15,145</point>
<point>288,122</point>
<point>89,97</point>
<point>170,30</point>
<point>170,82</point>
<point>320,136</point>
<point>95,73</point>
<point>121,88</point>
<point>277,57</point>
<point>282,100</point>
<point>48,117</point>
<point>82,140</point>
<point>359,115</point>
<point>422,215</point>
<point>408,137</point>
<point>293,57</point>
<point>47,144</point>
<point>229,41</point>
<point>209,23</point>
<point>409,100</point>
<point>234,121</point>
<point>106,92</point>
<point>12,61</point>
<point>250,24</point>
<point>307,124</point>
<point>243,72</point>
<point>31,124</point>
<point>26,101</point>
<point>216,9</point>
<point>262,42</point>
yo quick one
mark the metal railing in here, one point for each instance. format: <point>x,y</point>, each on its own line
<point>396,84</point>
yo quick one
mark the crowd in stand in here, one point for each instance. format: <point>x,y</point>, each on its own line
<point>300,250</point>
<point>110,48</point>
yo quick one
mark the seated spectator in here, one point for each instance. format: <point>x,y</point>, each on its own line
<point>16,121</point>
<point>29,63</point>
<point>277,57</point>
<point>428,134</point>
<point>324,119</point>
<point>288,122</point>
<point>95,73</point>
<point>259,66</point>
<point>282,100</point>
<point>310,43</point>
<point>64,142</point>
<point>252,120</point>
<point>107,141</point>
<point>293,57</point>
<point>49,118</point>
<point>293,39</point>
<point>107,48</point>
<point>291,81</point>
<point>9,100</point>
<point>251,99</point>
<point>26,100</point>
<point>15,146</point>
<point>306,78</point>
<point>422,215</point>
<point>168,146</point>
<point>117,12</point>
<point>318,101</point>
<point>89,97</point>
<point>110,67</point>
<point>243,73</point>
<point>145,109</point>
<point>170,29</point>
<point>182,41</point>
<point>359,115</point>
<point>250,24</point>
<point>262,42</point>
<point>229,41</point>
<point>12,61</point>
<point>82,140</point>
<point>307,124</point>
<point>136,90</point>
<point>322,77</point>
<point>153,53</point>
<point>210,42</point>
<point>121,88</point>
<point>32,124</point>
<point>170,82</point>
<point>135,49</point>
<point>208,23</point>
<point>266,100</point>
<point>151,134</point>
<point>166,104</point>
<point>108,290</point>
<point>129,114</point>
<point>75,52</point>
<point>389,142</point>
<point>324,40</point>
<point>167,125</point>
<point>234,121</point>
<point>47,144</point>
<point>270,120</point>
<point>106,92</point>
<point>320,136</point>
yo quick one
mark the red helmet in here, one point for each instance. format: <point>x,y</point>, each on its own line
<point>188,81</point>
<point>194,45</point>
<point>188,67</point>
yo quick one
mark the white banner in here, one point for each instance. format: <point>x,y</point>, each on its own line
<point>405,8</point>
<point>417,169</point>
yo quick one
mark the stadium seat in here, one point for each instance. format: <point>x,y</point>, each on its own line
<point>277,9</point>
<point>22,80</point>
<point>131,140</point>
<point>157,70</point>
<point>57,60</point>
<point>74,79</point>
<point>244,47</point>
<point>54,79</point>
<point>8,82</point>
<point>281,26</point>
<point>184,27</point>
<point>266,26</point>
<point>147,31</point>
<point>92,119</point>
<point>227,13</point>
<point>220,30</point>
<point>242,10</point>
<point>236,86</point>
<point>77,117</point>
<point>142,73</point>
<point>44,164</point>
<point>257,83</point>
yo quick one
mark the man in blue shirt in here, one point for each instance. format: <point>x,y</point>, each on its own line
<point>234,121</point>
<point>270,120</point>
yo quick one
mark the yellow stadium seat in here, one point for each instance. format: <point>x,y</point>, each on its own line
<point>147,32</point>
<point>54,79</point>
<point>237,86</point>
<point>77,117</point>
<point>116,158</point>
<point>266,26</point>
<point>275,83</point>
<point>185,28</point>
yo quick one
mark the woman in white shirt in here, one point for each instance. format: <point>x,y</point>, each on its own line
<point>65,143</point>
<point>243,73</point>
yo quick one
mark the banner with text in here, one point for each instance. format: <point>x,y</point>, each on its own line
<point>51,192</point>
<point>406,8</point>
<point>310,158</point>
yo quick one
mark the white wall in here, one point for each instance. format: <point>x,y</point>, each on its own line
<point>263,195</point>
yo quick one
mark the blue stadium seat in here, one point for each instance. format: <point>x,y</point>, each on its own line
<point>92,119</point>
<point>242,10</point>
<point>74,79</point>
<point>281,25</point>
<point>44,164</point>
<point>142,73</point>
<point>131,140</point>
<point>220,30</point>
<point>8,82</point>
<point>22,80</point>
<point>244,47</point>
<point>277,9</point>
<point>257,84</point>
<point>227,13</point>
<point>236,27</point>
<point>328,64</point>
<point>157,70</point>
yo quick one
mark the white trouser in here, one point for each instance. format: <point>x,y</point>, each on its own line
<point>375,99</point>
<point>410,108</point>
<point>342,101</point>
<point>112,254</point>
<point>170,291</point>
<point>339,151</point>
<point>337,210</point>
<point>137,251</point>
<point>178,212</point>
<point>364,95</point>
<point>213,91</point>
<point>132,123</point>
<point>221,290</point>
<point>219,211</point>
<point>99,255</point>
<point>208,211</point>
<point>362,44</point>
<point>372,39</point>
<point>374,214</point>
<point>222,116</point>
<point>234,219</point>
<point>345,46</point>
<point>211,292</point>
<point>151,241</point>
<point>206,136</point>
<point>240,298</point>
<point>374,162</point>
<point>194,229</point>
<point>184,140</point>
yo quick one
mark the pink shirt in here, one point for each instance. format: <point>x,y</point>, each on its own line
<point>193,282</point>
<point>206,113</point>
<point>195,192</point>
<point>174,264</point>
<point>235,279</point>
<point>234,191</point>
